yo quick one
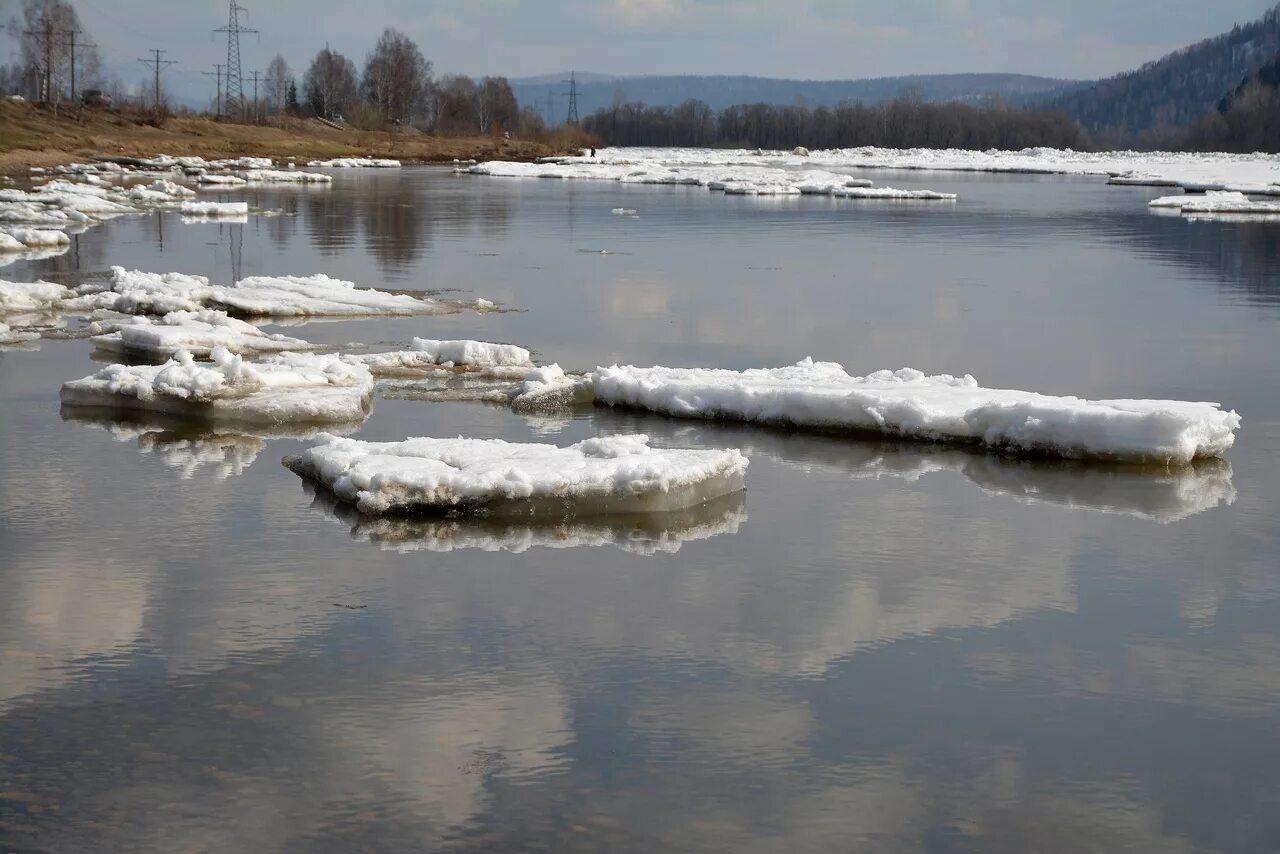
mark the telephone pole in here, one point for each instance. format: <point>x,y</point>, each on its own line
<point>573,99</point>
<point>217,75</point>
<point>72,47</point>
<point>157,63</point>
<point>234,99</point>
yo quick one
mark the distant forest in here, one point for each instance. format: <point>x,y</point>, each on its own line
<point>903,123</point>
<point>1246,120</point>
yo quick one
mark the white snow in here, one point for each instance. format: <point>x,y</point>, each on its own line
<point>276,176</point>
<point>355,163</point>
<point>290,387</point>
<point>137,292</point>
<point>198,333</point>
<point>618,474</point>
<point>31,296</point>
<point>215,209</point>
<point>908,404</point>
<point>432,356</point>
<point>224,180</point>
<point>19,239</point>
<point>890,193</point>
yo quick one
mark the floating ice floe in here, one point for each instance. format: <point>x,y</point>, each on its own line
<point>910,405</point>
<point>281,389</point>
<point>10,336</point>
<point>355,163</point>
<point>276,176</point>
<point>196,332</point>
<point>24,239</point>
<point>31,297</point>
<point>629,212</point>
<point>214,209</point>
<point>644,534</point>
<point>137,292</point>
<point>1218,203</point>
<point>430,356</point>
<point>618,474</point>
<point>549,388</point>
<point>224,180</point>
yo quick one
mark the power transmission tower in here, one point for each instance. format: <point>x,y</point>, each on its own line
<point>217,75</point>
<point>157,63</point>
<point>573,98</point>
<point>234,100</point>
<point>72,47</point>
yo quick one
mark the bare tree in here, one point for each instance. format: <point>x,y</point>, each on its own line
<point>330,84</point>
<point>50,41</point>
<point>457,111</point>
<point>496,105</point>
<point>396,76</point>
<point>278,78</point>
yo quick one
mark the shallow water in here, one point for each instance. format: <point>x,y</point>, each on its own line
<point>878,647</point>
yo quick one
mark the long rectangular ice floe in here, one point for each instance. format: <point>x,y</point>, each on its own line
<point>908,404</point>
<point>136,292</point>
<point>287,388</point>
<point>1216,202</point>
<point>430,356</point>
<point>355,163</point>
<point>196,332</point>
<point>214,209</point>
<point>618,474</point>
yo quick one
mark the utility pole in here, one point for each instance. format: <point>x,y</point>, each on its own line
<point>256,117</point>
<point>573,99</point>
<point>72,47</point>
<point>235,84</point>
<point>158,64</point>
<point>217,75</point>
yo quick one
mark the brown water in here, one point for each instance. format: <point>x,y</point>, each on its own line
<point>879,647</point>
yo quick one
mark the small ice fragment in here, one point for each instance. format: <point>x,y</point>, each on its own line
<point>616,474</point>
<point>214,209</point>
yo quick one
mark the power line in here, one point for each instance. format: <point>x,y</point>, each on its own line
<point>72,48</point>
<point>158,64</point>
<point>217,75</point>
<point>234,100</point>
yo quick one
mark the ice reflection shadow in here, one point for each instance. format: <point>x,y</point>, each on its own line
<point>1156,493</point>
<point>644,534</point>
<point>195,449</point>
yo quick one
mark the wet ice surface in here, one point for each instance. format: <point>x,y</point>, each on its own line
<point>880,645</point>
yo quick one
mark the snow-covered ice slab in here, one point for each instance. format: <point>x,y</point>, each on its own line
<point>644,534</point>
<point>1217,202</point>
<point>356,163</point>
<point>618,474</point>
<point>430,356</point>
<point>287,388</point>
<point>890,193</point>
<point>221,180</point>
<point>278,176</point>
<point>137,292</point>
<point>10,336</point>
<point>24,239</point>
<point>23,297</point>
<point>214,209</point>
<point>196,332</point>
<point>908,404</point>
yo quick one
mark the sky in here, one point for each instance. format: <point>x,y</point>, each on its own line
<point>809,39</point>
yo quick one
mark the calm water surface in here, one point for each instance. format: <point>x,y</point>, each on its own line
<point>879,647</point>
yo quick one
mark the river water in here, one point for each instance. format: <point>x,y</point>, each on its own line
<point>878,647</point>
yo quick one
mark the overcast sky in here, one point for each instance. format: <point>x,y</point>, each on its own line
<point>819,39</point>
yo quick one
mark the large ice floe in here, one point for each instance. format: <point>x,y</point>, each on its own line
<point>196,332</point>
<point>356,163</point>
<point>214,209</point>
<point>432,357</point>
<point>137,292</point>
<point>280,389</point>
<point>910,405</point>
<point>25,297</point>
<point>618,474</point>
<point>640,533</point>
<point>290,176</point>
<point>1218,202</point>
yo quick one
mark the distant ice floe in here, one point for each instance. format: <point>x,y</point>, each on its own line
<point>1218,202</point>
<point>355,163</point>
<point>644,534</point>
<point>618,474</point>
<point>908,404</point>
<point>277,176</point>
<point>282,389</point>
<point>196,332</point>
<point>432,357</point>
<point>214,209</point>
<point>10,336</point>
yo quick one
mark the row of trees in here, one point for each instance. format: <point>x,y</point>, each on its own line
<point>903,123</point>
<point>1247,120</point>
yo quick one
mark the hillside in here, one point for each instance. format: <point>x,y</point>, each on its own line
<point>598,91</point>
<point>1175,90</point>
<point>1247,119</point>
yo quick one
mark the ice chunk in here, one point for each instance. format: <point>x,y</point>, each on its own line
<point>224,180</point>
<point>136,292</point>
<point>625,212</point>
<point>550,388</point>
<point>618,474</point>
<point>356,163</point>
<point>31,296</point>
<point>291,387</point>
<point>214,209</point>
<point>646,534</point>
<point>196,332</point>
<point>431,356</point>
<point>911,405</point>
<point>891,193</point>
<point>276,176</point>
<point>1216,202</point>
<point>9,336</point>
<point>20,239</point>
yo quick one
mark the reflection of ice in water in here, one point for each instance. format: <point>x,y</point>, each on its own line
<point>653,533</point>
<point>192,450</point>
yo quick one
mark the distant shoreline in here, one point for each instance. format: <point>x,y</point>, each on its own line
<point>31,137</point>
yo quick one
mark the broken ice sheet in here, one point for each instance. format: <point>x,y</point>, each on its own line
<point>196,332</point>
<point>645,533</point>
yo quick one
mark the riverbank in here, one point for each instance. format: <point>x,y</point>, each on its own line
<point>31,136</point>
